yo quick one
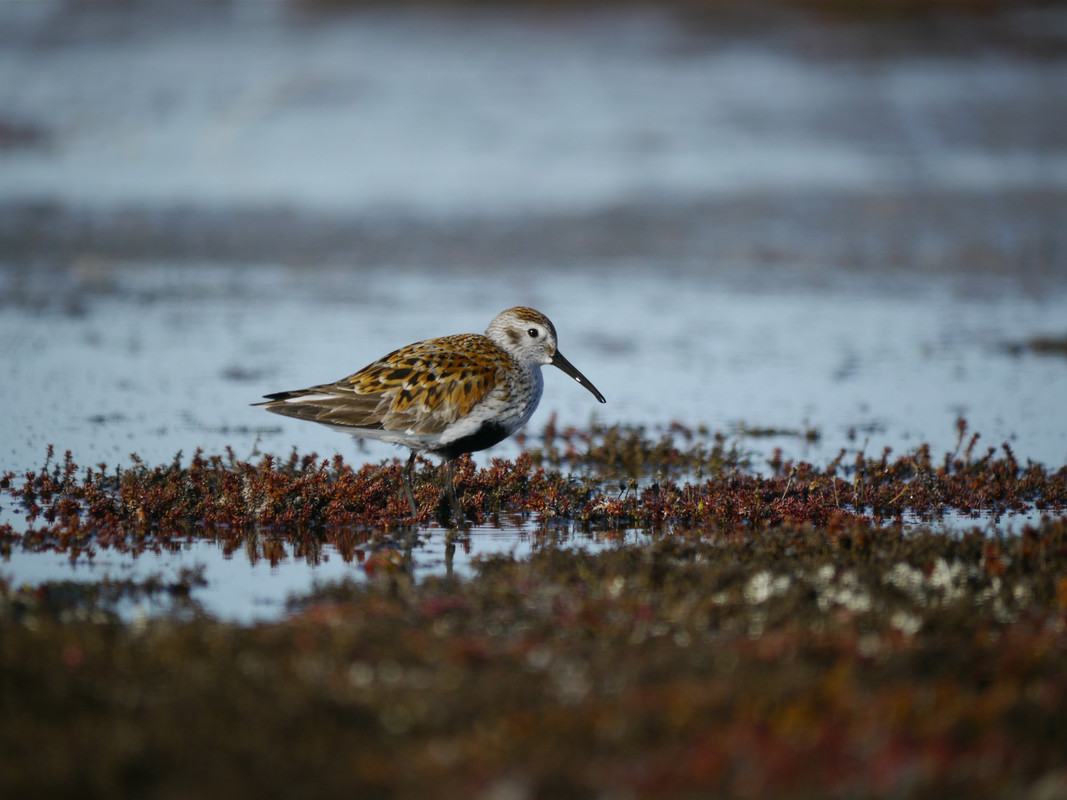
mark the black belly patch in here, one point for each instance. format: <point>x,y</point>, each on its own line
<point>486,436</point>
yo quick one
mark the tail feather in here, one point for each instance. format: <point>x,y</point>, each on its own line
<point>340,409</point>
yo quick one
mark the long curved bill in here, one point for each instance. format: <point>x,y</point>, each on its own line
<point>559,361</point>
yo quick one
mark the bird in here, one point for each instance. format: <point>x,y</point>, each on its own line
<point>445,396</point>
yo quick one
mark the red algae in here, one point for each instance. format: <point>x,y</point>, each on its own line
<point>307,498</point>
<point>778,636</point>
<point>785,662</point>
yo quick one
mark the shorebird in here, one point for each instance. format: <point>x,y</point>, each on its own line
<point>446,396</point>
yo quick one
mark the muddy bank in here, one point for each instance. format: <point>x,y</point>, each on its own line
<point>1016,234</point>
<point>791,662</point>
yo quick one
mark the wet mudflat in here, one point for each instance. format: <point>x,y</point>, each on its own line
<point>788,662</point>
<point>813,546</point>
<point>771,635</point>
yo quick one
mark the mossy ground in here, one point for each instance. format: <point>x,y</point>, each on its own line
<point>779,637</point>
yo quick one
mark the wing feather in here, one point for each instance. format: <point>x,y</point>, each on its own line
<point>421,388</point>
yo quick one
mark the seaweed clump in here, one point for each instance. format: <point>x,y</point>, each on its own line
<point>305,500</point>
<point>778,636</point>
<point>786,663</point>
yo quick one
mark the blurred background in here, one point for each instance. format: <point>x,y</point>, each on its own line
<point>839,218</point>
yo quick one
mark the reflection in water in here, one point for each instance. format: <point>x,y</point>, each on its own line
<point>256,582</point>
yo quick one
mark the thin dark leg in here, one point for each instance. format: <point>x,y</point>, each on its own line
<point>406,476</point>
<point>450,487</point>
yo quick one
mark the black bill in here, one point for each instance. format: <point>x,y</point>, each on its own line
<point>559,361</point>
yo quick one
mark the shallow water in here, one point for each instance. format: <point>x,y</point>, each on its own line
<point>448,113</point>
<point>835,227</point>
<point>169,358</point>
<point>247,587</point>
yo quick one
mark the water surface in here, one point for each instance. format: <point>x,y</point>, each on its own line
<point>847,227</point>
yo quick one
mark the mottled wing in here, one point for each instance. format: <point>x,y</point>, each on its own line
<point>421,388</point>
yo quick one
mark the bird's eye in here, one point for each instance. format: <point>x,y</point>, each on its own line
<point>534,333</point>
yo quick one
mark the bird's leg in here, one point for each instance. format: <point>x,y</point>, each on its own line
<point>450,487</point>
<point>406,477</point>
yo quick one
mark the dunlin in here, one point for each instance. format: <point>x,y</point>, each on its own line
<point>446,396</point>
